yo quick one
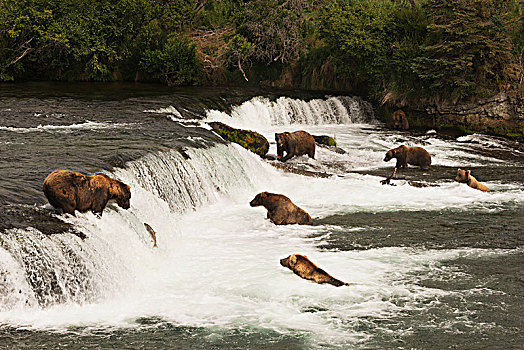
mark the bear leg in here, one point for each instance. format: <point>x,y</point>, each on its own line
<point>68,208</point>
<point>287,157</point>
<point>98,206</point>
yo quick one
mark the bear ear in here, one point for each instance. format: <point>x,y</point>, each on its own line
<point>468,172</point>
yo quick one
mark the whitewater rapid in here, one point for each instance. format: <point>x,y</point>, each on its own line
<point>217,261</point>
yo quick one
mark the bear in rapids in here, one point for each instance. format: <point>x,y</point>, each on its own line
<point>281,210</point>
<point>464,176</point>
<point>294,144</point>
<point>72,191</point>
<point>305,268</point>
<point>409,155</point>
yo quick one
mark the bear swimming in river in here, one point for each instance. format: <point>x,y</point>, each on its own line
<point>72,191</point>
<point>464,176</point>
<point>305,268</point>
<point>294,144</point>
<point>409,155</point>
<point>281,210</point>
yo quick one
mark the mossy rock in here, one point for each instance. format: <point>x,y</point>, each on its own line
<point>325,140</point>
<point>248,139</point>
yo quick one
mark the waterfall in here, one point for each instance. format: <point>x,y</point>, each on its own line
<point>261,112</point>
<point>38,270</point>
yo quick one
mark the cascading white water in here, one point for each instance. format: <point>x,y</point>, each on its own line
<point>44,270</point>
<point>217,260</point>
<point>260,112</point>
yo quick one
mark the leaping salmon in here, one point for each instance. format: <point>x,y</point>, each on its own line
<point>152,233</point>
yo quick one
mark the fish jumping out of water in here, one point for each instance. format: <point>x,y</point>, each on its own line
<point>152,233</point>
<point>305,268</point>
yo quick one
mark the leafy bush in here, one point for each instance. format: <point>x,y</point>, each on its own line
<point>175,63</point>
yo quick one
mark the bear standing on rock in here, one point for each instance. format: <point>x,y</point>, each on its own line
<point>294,144</point>
<point>72,191</point>
<point>464,176</point>
<point>280,209</point>
<point>409,155</point>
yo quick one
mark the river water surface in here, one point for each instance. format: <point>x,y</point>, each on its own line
<point>433,267</point>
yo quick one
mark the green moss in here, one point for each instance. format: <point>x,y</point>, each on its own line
<point>325,140</point>
<point>248,139</point>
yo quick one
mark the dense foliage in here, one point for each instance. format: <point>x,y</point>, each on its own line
<point>397,51</point>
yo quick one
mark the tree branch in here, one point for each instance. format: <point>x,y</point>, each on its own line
<point>26,51</point>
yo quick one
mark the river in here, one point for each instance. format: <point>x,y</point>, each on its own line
<point>433,267</point>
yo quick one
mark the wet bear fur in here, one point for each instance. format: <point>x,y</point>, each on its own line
<point>399,121</point>
<point>294,144</point>
<point>305,268</point>
<point>409,155</point>
<point>281,210</point>
<point>464,176</point>
<point>72,191</point>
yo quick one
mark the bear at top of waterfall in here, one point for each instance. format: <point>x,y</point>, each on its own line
<point>305,268</point>
<point>294,144</point>
<point>281,210</point>
<point>72,191</point>
<point>409,155</point>
<point>464,176</point>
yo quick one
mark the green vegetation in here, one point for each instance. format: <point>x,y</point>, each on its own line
<point>397,52</point>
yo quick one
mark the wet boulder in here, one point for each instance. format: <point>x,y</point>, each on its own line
<point>328,142</point>
<point>248,139</point>
<point>325,140</point>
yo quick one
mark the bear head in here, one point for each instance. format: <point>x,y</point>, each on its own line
<point>281,139</point>
<point>393,153</point>
<point>120,192</point>
<point>289,262</point>
<point>260,199</point>
<point>463,176</point>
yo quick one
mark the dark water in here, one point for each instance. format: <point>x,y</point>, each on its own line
<point>480,303</point>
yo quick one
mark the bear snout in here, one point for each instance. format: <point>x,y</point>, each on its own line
<point>283,262</point>
<point>253,203</point>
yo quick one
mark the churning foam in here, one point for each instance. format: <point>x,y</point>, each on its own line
<point>217,264</point>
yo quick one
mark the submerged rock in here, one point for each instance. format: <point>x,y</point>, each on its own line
<point>248,139</point>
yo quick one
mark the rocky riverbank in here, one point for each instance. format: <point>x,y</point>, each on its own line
<point>499,115</point>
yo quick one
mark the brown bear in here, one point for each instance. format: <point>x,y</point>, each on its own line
<point>464,176</point>
<point>280,209</point>
<point>409,155</point>
<point>305,268</point>
<point>294,144</point>
<point>72,191</point>
<point>399,120</point>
